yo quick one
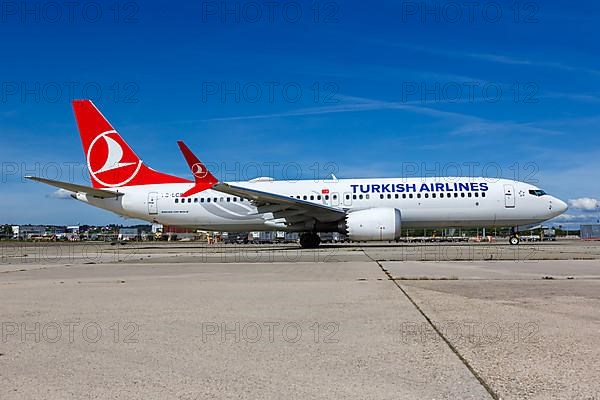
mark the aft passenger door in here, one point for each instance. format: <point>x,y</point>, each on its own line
<point>335,199</point>
<point>509,196</point>
<point>153,203</point>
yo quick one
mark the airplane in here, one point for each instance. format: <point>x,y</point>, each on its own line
<point>371,209</point>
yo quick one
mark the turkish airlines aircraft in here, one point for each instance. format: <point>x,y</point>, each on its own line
<point>363,209</point>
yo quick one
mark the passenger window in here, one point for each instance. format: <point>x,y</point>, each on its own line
<point>235,199</point>
<point>389,196</point>
<point>353,197</point>
<point>469,194</point>
<point>189,199</point>
<point>335,196</point>
<point>396,195</point>
<point>326,197</point>
<point>312,197</point>
<point>410,195</point>
<point>195,199</point>
<point>455,194</point>
<point>318,197</point>
<point>304,197</point>
<point>433,195</point>
<point>476,194</point>
<point>228,199</point>
<point>483,194</point>
<point>381,196</point>
<point>208,200</point>
<point>441,195</point>
<point>347,197</point>
<point>462,194</point>
<point>418,195</point>
<point>403,195</point>
<point>176,200</point>
<point>426,195</point>
<point>202,200</point>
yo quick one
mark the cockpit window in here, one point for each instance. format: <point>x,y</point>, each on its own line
<point>537,192</point>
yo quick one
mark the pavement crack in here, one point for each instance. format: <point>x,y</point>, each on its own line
<point>465,362</point>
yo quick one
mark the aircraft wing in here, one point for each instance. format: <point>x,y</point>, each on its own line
<point>293,210</point>
<point>73,187</point>
<point>279,211</point>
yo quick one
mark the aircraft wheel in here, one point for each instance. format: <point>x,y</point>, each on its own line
<point>309,240</point>
<point>514,240</point>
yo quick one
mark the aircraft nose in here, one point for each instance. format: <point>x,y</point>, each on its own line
<point>559,206</point>
<point>562,206</point>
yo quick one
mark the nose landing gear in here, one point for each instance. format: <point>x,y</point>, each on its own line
<point>514,237</point>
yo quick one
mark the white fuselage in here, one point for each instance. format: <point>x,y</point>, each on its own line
<point>423,202</point>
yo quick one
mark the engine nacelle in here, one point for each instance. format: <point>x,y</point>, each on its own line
<point>374,224</point>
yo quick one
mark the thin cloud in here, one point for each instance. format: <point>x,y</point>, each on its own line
<point>305,112</point>
<point>585,204</point>
<point>502,59</point>
<point>60,194</point>
<point>466,125</point>
<point>499,58</point>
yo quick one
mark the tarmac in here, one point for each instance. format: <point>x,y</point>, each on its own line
<point>352,321</point>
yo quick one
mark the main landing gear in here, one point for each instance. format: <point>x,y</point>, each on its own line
<point>514,237</point>
<point>309,240</point>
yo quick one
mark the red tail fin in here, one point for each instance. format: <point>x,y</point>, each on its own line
<point>110,160</point>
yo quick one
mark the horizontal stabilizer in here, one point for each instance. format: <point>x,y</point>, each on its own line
<point>73,187</point>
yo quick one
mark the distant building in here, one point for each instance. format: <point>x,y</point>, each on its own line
<point>73,229</point>
<point>24,232</point>
<point>129,234</point>
<point>590,232</point>
<point>179,233</point>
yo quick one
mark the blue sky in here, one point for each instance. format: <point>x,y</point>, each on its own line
<point>362,89</point>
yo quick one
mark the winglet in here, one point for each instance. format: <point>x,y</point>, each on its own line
<point>204,179</point>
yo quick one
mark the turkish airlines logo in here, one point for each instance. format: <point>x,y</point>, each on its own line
<point>110,161</point>
<point>198,170</point>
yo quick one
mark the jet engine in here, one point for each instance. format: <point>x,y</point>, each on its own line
<point>373,224</point>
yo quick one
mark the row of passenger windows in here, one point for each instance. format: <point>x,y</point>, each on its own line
<point>334,197</point>
<point>395,196</point>
<point>209,199</point>
<point>318,197</point>
<point>433,195</point>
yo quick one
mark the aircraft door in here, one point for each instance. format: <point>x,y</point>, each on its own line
<point>335,199</point>
<point>153,203</point>
<point>347,201</point>
<point>509,196</point>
